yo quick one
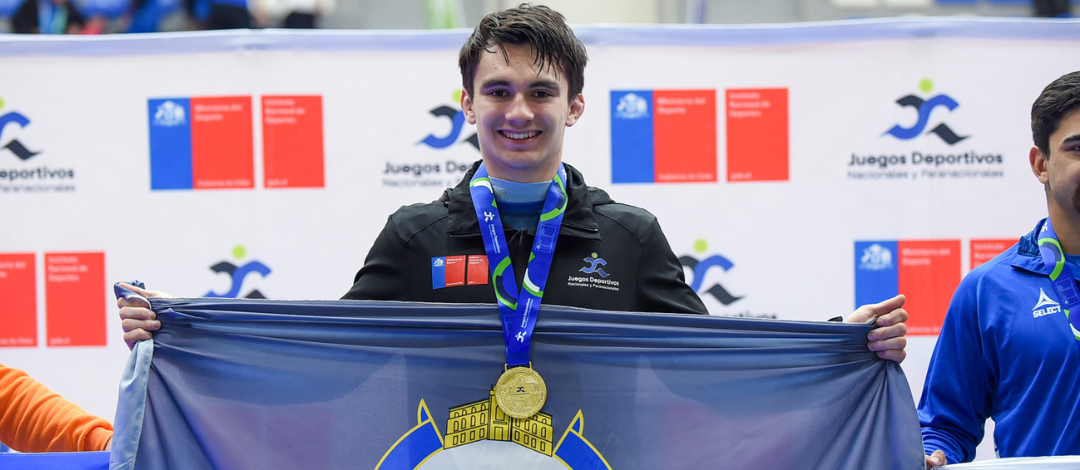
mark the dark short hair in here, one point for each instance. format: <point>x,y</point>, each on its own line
<point>1057,100</point>
<point>553,43</point>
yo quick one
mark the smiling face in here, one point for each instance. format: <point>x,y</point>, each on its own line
<point>521,111</point>
<point>1060,170</point>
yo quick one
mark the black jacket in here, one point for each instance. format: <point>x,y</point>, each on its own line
<point>643,275</point>
<point>25,20</point>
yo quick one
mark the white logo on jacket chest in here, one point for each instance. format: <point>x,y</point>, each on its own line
<point>596,277</point>
<point>1045,306</point>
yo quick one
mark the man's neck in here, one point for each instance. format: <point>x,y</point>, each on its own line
<point>518,193</point>
<point>531,175</point>
<point>1067,228</point>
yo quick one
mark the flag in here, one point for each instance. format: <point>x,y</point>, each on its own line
<point>243,383</point>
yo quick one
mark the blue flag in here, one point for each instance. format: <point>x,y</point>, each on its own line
<point>237,383</point>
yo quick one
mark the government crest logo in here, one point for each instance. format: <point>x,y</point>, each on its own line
<point>632,106</point>
<point>876,258</point>
<point>170,114</point>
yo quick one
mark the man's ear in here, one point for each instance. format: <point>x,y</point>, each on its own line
<point>466,107</point>
<point>1038,164</point>
<point>577,108</point>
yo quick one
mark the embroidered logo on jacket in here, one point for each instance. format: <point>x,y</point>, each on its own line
<point>595,261</point>
<point>597,277</point>
<point>1045,306</point>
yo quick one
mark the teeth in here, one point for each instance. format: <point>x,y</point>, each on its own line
<point>520,135</point>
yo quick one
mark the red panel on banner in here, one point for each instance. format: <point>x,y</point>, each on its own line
<point>75,299</point>
<point>928,275</point>
<point>292,141</point>
<point>684,140</point>
<point>757,134</point>
<point>455,271</point>
<point>478,269</point>
<point>222,154</point>
<point>18,292</point>
<point>985,250</point>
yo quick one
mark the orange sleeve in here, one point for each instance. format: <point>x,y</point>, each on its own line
<point>36,419</point>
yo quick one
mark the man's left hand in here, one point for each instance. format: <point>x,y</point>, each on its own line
<point>887,340</point>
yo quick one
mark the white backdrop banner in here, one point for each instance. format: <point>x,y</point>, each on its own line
<point>798,170</point>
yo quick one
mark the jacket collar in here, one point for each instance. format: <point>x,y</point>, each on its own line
<point>578,221</point>
<point>1027,255</point>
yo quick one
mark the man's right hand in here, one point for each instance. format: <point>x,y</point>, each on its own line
<point>136,317</point>
<point>937,459</point>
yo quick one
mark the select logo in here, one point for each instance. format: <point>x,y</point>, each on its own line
<point>1045,306</point>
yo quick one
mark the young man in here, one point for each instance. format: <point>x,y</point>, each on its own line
<point>540,225</point>
<point>522,98</point>
<point>1008,349</point>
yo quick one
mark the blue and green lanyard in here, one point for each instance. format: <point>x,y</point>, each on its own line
<point>1060,276</point>
<point>518,310</point>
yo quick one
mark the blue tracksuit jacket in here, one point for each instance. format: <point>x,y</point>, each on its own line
<point>1005,352</point>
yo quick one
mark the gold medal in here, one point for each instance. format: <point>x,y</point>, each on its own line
<point>520,392</point>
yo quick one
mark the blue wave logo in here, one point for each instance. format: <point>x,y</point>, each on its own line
<point>594,266</point>
<point>16,147</point>
<point>457,124</point>
<point>700,268</point>
<point>238,274</point>
<point>924,108</point>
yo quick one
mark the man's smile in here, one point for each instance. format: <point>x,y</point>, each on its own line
<point>519,135</point>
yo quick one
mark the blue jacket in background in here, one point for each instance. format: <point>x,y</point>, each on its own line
<point>1005,352</point>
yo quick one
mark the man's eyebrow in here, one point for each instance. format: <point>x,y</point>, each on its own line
<point>545,84</point>
<point>494,83</point>
<point>1071,139</point>
<point>498,82</point>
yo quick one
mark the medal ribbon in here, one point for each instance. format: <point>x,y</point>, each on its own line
<point>1060,276</point>
<point>518,309</point>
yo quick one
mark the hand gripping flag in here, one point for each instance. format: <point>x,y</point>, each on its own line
<point>237,383</point>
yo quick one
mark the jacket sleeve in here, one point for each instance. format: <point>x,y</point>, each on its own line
<point>36,419</point>
<point>662,287</point>
<point>958,394</point>
<point>385,274</point>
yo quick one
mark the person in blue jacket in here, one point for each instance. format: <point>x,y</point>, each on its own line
<point>1008,348</point>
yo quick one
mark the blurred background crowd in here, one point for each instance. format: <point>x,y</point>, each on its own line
<point>148,16</point>
<point>145,16</point>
